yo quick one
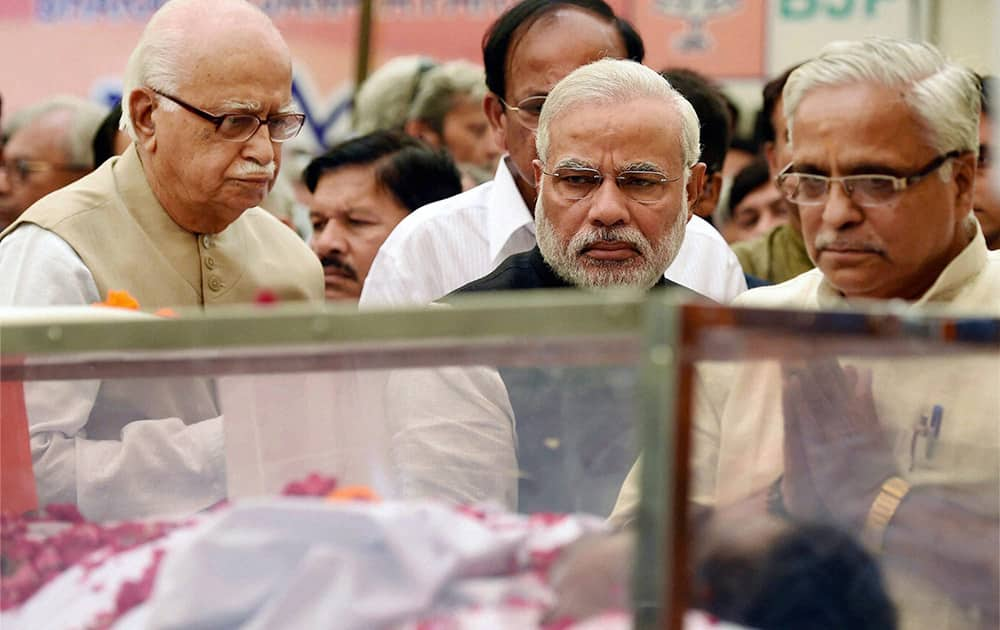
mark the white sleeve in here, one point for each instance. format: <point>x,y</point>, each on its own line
<point>157,466</point>
<point>706,264</point>
<point>381,286</point>
<point>37,268</point>
<point>452,435</point>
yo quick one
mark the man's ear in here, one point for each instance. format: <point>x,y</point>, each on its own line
<point>422,130</point>
<point>537,166</point>
<point>964,176</point>
<point>141,105</point>
<point>772,159</point>
<point>709,195</point>
<point>495,114</point>
<point>695,184</point>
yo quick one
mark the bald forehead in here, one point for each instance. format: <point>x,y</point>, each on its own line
<point>212,30</point>
<point>44,136</point>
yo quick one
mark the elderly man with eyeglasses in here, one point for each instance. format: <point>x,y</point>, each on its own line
<point>617,174</point>
<point>174,221</point>
<point>902,451</point>
<point>48,147</point>
<point>526,51</point>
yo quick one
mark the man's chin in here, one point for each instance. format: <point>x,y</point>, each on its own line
<point>337,294</point>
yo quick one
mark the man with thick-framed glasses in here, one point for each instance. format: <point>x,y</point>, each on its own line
<point>901,451</point>
<point>175,222</point>
<point>48,147</point>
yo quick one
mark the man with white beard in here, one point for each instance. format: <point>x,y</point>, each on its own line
<point>617,173</point>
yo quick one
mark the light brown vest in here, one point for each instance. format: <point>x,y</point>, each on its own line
<point>128,242</point>
<point>118,228</point>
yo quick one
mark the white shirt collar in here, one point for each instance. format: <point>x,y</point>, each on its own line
<point>507,214</point>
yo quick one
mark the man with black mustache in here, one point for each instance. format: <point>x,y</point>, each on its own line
<point>361,189</point>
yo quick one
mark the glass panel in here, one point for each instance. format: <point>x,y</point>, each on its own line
<point>529,405</point>
<point>845,469</point>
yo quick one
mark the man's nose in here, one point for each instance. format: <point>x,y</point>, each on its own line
<point>771,220</point>
<point>329,240</point>
<point>259,147</point>
<point>840,211</point>
<point>608,205</point>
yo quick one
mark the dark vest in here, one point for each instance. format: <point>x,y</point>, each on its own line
<point>576,426</point>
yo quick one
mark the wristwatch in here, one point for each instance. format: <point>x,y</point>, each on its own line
<point>891,494</point>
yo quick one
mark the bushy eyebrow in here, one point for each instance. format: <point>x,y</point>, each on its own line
<point>239,107</point>
<point>573,163</point>
<point>253,107</point>
<point>641,166</point>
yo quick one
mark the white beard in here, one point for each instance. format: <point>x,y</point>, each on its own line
<point>642,271</point>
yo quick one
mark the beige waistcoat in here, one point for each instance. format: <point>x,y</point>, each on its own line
<point>117,227</point>
<point>128,242</point>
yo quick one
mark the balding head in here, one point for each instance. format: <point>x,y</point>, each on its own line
<point>201,84</point>
<point>49,146</point>
<point>185,38</point>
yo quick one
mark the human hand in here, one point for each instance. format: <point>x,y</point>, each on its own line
<point>836,455</point>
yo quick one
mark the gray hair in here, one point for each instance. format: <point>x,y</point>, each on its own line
<point>942,94</point>
<point>383,100</point>
<point>611,81</point>
<point>155,61</point>
<point>441,86</point>
<point>84,119</point>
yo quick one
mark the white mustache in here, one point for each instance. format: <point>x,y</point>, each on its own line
<point>624,234</point>
<point>252,169</point>
<point>835,241</point>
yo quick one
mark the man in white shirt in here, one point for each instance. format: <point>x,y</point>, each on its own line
<point>174,222</point>
<point>448,244</point>
<point>902,451</point>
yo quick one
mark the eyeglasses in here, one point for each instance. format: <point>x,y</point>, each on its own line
<point>20,169</point>
<point>527,111</point>
<point>642,186</point>
<point>242,127</point>
<point>864,190</point>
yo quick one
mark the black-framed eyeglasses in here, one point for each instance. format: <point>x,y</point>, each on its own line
<point>575,183</point>
<point>242,127</point>
<point>19,169</point>
<point>864,190</point>
<point>527,110</point>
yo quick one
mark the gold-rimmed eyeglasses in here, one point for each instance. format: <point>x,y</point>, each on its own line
<point>864,190</point>
<point>575,183</point>
<point>527,110</point>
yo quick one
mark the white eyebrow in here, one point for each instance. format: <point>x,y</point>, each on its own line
<point>641,166</point>
<point>573,163</point>
<point>253,107</point>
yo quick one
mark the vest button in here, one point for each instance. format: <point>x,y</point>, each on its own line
<point>206,241</point>
<point>209,262</point>
<point>214,283</point>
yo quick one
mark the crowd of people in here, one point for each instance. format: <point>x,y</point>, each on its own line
<point>562,162</point>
